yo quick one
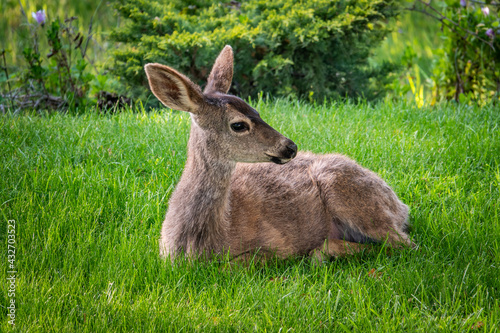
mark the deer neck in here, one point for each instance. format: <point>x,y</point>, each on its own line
<point>201,198</point>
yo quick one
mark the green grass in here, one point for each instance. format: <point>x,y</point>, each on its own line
<point>89,193</point>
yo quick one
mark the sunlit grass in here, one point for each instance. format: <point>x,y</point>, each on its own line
<point>89,194</point>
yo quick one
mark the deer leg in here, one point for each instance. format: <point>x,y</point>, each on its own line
<point>336,248</point>
<point>393,238</point>
<point>257,256</point>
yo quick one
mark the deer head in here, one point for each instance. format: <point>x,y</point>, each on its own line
<point>224,124</point>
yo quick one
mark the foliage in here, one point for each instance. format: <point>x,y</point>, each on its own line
<point>313,49</point>
<point>13,30</point>
<point>59,79</point>
<point>412,41</point>
<point>413,44</point>
<point>468,64</point>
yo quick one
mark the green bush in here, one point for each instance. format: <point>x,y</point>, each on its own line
<point>55,72</point>
<point>469,66</point>
<point>314,49</point>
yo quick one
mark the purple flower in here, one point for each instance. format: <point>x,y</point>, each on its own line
<point>39,16</point>
<point>490,33</point>
<point>486,11</point>
<point>463,3</point>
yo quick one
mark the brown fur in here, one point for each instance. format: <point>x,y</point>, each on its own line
<point>318,205</point>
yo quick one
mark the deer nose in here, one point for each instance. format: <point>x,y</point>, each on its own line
<point>287,152</point>
<point>291,150</point>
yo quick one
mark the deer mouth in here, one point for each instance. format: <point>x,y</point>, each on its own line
<point>279,160</point>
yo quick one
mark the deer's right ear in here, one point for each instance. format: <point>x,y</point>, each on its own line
<point>173,89</point>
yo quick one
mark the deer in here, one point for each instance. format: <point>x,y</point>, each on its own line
<point>245,188</point>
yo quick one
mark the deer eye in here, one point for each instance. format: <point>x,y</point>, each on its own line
<point>239,127</point>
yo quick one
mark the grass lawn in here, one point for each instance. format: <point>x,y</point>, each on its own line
<point>88,195</point>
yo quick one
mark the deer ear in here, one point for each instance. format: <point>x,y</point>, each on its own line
<point>221,75</point>
<point>173,89</point>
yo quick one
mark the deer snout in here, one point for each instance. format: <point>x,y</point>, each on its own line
<point>284,155</point>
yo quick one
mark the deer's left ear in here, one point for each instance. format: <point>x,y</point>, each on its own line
<point>174,89</point>
<point>221,75</point>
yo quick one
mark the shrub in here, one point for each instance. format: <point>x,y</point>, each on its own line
<point>468,67</point>
<point>55,71</point>
<point>314,49</point>
<point>56,80</point>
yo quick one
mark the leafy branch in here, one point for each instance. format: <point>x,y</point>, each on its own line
<point>55,80</point>
<point>431,11</point>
